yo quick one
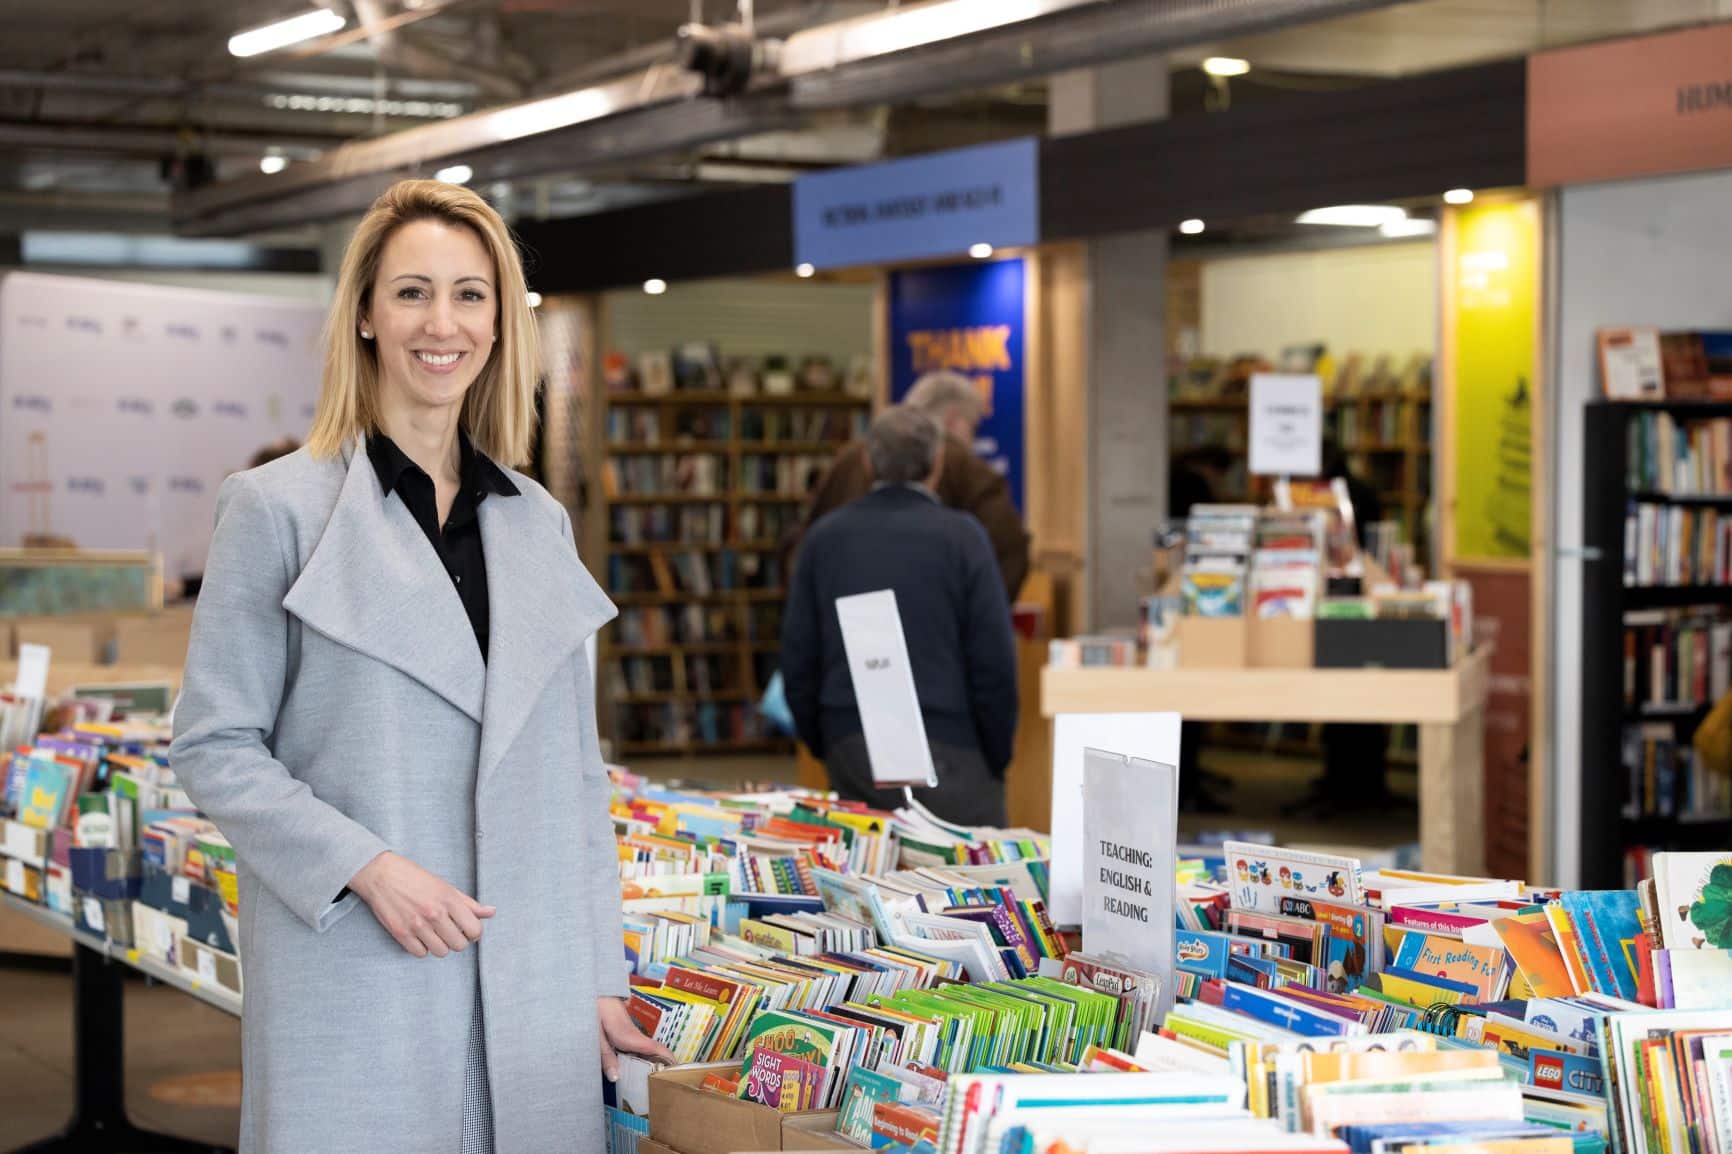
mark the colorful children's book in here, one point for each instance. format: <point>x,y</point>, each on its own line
<point>48,788</point>
<point>1485,968</point>
<point>1534,949</point>
<point>1259,876</point>
<point>1694,894</point>
<point>860,1093</point>
<point>1607,934</point>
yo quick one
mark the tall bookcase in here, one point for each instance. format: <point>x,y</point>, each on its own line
<point>698,489</point>
<point>1612,821</point>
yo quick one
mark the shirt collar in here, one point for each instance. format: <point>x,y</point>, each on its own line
<point>912,486</point>
<point>477,470</point>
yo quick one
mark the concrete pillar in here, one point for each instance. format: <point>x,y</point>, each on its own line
<point>1125,345</point>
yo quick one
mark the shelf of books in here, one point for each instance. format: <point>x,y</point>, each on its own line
<point>1378,411</point>
<point>706,469</point>
<point>1656,630</point>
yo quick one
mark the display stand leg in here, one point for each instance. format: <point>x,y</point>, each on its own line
<point>99,1124</point>
<point>1452,794</point>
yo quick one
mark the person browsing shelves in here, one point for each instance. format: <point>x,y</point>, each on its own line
<point>957,623</point>
<point>388,711</point>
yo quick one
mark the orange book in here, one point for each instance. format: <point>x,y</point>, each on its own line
<point>1534,948</point>
<point>1569,948</point>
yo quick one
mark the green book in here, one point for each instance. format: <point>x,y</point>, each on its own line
<point>860,1092</point>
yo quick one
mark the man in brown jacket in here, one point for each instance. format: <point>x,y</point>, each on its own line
<point>966,483</point>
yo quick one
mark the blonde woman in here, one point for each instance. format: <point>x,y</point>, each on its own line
<point>388,711</point>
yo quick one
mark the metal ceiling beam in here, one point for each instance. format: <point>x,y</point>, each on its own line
<point>919,49</point>
<point>59,136</point>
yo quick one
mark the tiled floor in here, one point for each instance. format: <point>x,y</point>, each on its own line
<point>183,1058</point>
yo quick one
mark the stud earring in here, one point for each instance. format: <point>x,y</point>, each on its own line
<point>366,334</point>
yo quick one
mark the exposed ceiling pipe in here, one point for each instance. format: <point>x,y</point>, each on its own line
<point>397,51</point>
<point>942,45</point>
<point>151,142</point>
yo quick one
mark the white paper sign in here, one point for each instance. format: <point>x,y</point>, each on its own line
<point>93,916</point>
<point>884,689</point>
<point>15,876</point>
<point>207,970</point>
<point>32,679</point>
<point>1151,736</point>
<point>1131,813</point>
<point>1286,425</point>
<point>181,890</point>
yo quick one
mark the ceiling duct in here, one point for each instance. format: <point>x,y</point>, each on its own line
<point>913,50</point>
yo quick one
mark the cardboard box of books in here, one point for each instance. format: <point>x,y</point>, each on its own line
<point>212,967</point>
<point>1213,642</point>
<point>814,1132</point>
<point>692,1120</point>
<point>1282,642</point>
<point>651,1146</point>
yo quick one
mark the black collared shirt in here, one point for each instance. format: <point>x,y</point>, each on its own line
<point>458,545</point>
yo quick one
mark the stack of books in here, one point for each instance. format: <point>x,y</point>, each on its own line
<point>1218,549</point>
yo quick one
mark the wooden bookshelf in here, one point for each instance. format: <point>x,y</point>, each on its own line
<point>669,722</point>
<point>1607,831</point>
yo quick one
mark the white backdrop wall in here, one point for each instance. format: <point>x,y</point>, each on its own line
<point>1370,299</point>
<point>1642,252</point>
<point>123,406</point>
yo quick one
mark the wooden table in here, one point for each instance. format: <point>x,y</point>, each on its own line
<point>1448,706</point>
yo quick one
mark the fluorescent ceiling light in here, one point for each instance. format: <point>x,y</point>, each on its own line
<point>306,26</point>
<point>456,174</point>
<point>271,165</point>
<point>1191,227</point>
<point>1355,215</point>
<point>804,270</point>
<point>1412,226</point>
<point>1458,196</point>
<point>534,299</point>
<point>655,286</point>
<point>980,251</point>
<point>545,115</point>
<point>1226,66</point>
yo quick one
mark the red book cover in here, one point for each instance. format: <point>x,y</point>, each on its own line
<point>646,1016</point>
<point>703,985</point>
<point>903,1124</point>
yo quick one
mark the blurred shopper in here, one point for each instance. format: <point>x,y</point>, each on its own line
<point>1355,756</point>
<point>954,614</point>
<point>387,666</point>
<point>967,482</point>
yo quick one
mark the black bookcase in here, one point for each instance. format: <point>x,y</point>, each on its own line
<point>1606,833</point>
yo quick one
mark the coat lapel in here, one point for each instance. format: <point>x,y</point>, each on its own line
<point>542,605</point>
<point>374,584</point>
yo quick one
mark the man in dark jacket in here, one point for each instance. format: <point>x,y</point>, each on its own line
<point>954,617</point>
<point>967,482</point>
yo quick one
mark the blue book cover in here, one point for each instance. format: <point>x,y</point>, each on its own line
<point>1284,1012</point>
<point>1608,927</point>
<point>1359,1138</point>
<point>1202,952</point>
<point>1250,971</point>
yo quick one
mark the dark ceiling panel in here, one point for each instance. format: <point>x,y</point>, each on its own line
<point>720,234</point>
<point>1465,128</point>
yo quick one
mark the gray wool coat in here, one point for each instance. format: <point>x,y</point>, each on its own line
<point>335,705</point>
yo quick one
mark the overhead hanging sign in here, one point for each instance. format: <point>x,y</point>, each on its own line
<point>1286,425</point>
<point>884,691</point>
<point>968,319</point>
<point>1625,108</point>
<point>1131,814</point>
<point>926,206</point>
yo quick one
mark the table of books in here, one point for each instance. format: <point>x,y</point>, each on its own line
<point>99,1120</point>
<point>1448,705</point>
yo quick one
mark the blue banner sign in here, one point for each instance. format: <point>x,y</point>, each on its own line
<point>921,207</point>
<point>967,319</point>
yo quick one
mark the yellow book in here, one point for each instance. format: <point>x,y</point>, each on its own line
<point>1383,1066</point>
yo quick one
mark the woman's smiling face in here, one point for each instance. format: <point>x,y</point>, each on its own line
<point>434,313</point>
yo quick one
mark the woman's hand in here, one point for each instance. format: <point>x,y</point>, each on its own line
<point>426,914</point>
<point>619,1033</point>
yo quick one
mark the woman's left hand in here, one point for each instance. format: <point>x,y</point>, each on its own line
<point>619,1034</point>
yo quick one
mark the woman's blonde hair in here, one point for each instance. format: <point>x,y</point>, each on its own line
<point>499,409</point>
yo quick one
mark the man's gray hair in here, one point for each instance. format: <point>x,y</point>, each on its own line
<point>941,393</point>
<point>903,445</point>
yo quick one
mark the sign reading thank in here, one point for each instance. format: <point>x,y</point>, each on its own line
<point>925,206</point>
<point>884,689</point>
<point>1130,812</point>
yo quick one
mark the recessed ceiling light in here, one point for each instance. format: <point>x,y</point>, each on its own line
<point>1226,66</point>
<point>1458,196</point>
<point>273,164</point>
<point>1354,215</point>
<point>980,251</point>
<point>655,286</point>
<point>804,270</point>
<point>281,34</point>
<point>534,299</point>
<point>1191,227</point>
<point>455,174</point>
<point>1412,226</point>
